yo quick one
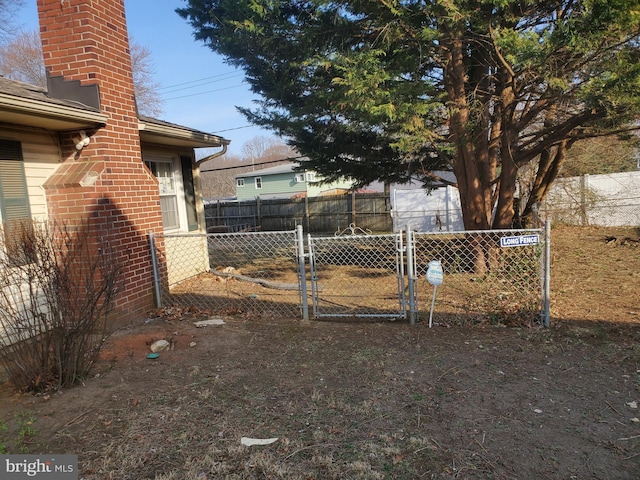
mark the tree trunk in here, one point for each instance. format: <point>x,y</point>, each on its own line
<point>548,167</point>
<point>504,210</point>
<point>470,166</point>
<point>474,210</point>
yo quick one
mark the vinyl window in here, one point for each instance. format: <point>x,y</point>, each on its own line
<point>165,173</point>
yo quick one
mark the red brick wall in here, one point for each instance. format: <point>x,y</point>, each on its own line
<point>107,181</point>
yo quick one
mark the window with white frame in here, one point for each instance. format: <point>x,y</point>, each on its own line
<point>240,182</point>
<point>169,184</point>
<point>311,177</point>
<point>258,182</point>
<point>299,177</point>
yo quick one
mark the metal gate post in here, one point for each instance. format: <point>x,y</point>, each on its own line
<point>314,276</point>
<point>547,274</point>
<point>410,276</point>
<point>303,274</point>
<point>156,274</point>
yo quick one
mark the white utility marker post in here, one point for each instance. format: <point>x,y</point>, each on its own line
<point>434,277</point>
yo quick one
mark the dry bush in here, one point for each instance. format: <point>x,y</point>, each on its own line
<point>58,283</point>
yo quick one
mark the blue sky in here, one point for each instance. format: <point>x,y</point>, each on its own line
<point>199,89</point>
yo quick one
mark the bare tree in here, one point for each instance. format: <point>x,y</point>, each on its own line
<point>601,155</point>
<point>263,149</point>
<point>21,59</point>
<point>218,177</point>
<point>7,24</point>
<point>278,153</point>
<point>58,285</point>
<point>253,149</point>
<point>147,98</point>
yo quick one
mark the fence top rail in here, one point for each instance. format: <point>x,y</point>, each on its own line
<point>348,237</point>
<point>253,234</point>
<point>179,235</point>
<point>522,231</point>
<point>226,234</point>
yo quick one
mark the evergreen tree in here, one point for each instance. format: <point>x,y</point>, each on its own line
<point>398,89</point>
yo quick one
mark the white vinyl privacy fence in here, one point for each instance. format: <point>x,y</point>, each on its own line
<point>489,276</point>
<point>436,211</point>
<point>609,200</point>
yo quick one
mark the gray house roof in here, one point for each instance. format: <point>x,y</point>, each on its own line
<point>284,168</point>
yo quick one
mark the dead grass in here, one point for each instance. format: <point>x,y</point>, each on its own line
<point>369,400</point>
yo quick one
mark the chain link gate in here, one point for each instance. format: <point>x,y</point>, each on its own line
<point>357,276</point>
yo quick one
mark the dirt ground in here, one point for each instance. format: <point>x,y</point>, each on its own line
<point>367,400</point>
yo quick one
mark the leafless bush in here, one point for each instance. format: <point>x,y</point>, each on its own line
<point>58,283</point>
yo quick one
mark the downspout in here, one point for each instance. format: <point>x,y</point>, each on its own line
<point>215,155</point>
<point>199,200</point>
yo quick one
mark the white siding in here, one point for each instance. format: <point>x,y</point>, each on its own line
<point>187,256</point>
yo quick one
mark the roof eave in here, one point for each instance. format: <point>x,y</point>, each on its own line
<point>176,136</point>
<point>53,116</point>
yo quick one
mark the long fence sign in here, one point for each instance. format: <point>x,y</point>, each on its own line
<point>520,241</point>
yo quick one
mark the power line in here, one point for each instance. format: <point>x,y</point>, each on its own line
<point>254,164</point>
<point>202,93</point>
<point>196,81</point>
<point>234,128</point>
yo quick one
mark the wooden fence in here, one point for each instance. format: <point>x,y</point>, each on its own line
<point>328,214</point>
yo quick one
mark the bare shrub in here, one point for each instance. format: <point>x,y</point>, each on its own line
<point>58,284</point>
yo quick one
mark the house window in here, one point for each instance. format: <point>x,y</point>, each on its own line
<point>240,182</point>
<point>258,182</point>
<point>167,182</point>
<point>14,198</point>
<point>299,177</point>
<point>311,177</point>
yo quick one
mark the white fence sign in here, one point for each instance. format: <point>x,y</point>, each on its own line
<point>519,241</point>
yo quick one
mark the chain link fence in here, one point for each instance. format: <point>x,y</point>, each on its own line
<point>253,273</point>
<point>489,276</point>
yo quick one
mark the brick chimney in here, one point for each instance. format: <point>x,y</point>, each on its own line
<point>86,46</point>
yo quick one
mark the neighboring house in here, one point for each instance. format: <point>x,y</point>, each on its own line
<point>80,149</point>
<point>282,181</point>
